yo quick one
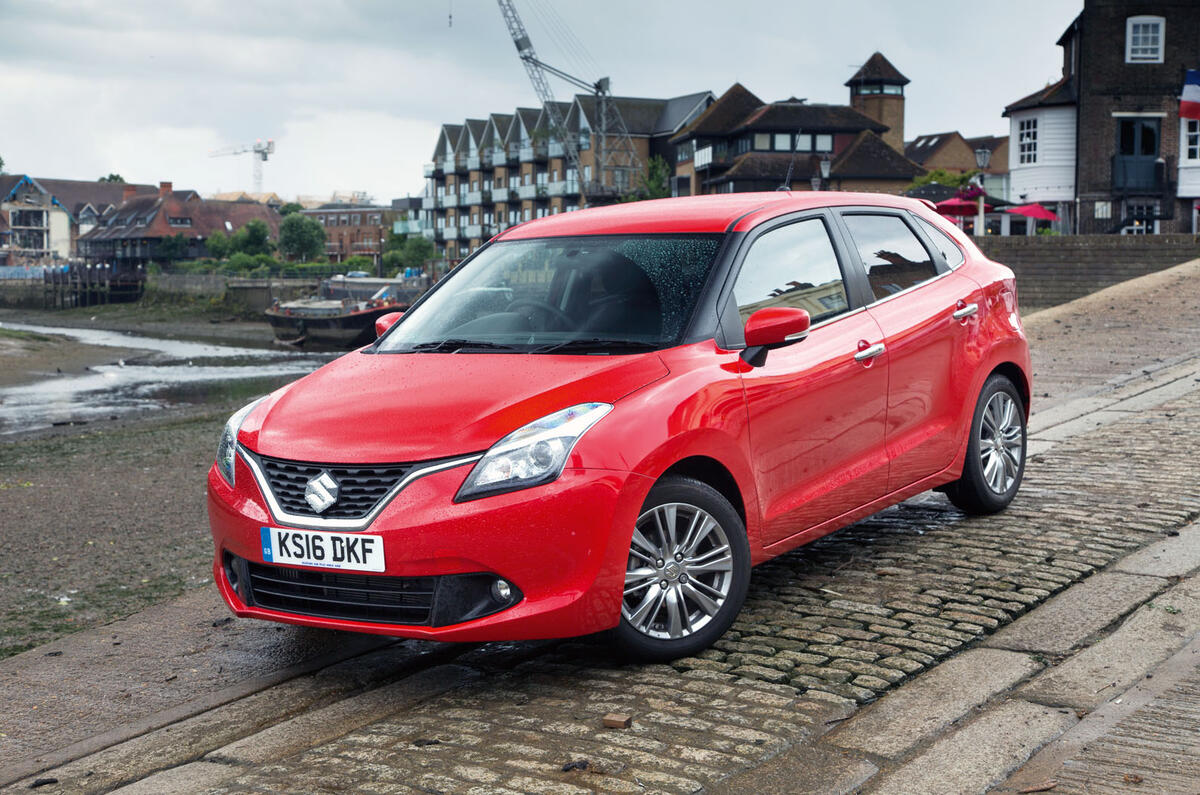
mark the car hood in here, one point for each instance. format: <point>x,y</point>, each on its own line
<point>398,407</point>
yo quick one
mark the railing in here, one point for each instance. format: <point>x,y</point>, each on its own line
<point>534,151</point>
<point>429,203</point>
<point>1136,174</point>
<point>702,158</point>
<point>473,163</point>
<point>514,152</point>
<point>556,149</point>
<point>478,197</point>
<point>448,163</point>
<point>514,194</point>
<point>406,227</point>
<point>431,169</point>
<point>428,234</point>
<point>450,200</point>
<point>527,191</point>
<point>450,232</point>
<point>563,187</point>
<point>476,231</point>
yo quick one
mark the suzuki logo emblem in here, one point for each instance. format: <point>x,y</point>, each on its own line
<point>321,492</point>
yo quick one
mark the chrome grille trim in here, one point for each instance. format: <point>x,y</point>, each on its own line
<point>318,523</point>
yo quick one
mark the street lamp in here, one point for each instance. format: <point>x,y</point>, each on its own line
<point>983,156</point>
<point>820,181</point>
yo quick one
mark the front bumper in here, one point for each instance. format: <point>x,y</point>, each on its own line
<point>563,546</point>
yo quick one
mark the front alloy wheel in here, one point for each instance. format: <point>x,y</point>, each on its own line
<point>995,460</point>
<point>686,575</point>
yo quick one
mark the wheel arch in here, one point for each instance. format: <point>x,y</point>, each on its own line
<point>1013,372</point>
<point>713,473</point>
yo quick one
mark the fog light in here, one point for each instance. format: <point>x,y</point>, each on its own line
<point>501,591</point>
<point>231,572</point>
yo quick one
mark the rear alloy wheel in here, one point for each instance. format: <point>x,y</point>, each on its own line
<point>995,453</point>
<point>687,572</point>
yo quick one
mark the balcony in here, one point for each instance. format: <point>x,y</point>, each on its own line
<point>1141,175</point>
<point>447,164</point>
<point>528,191</point>
<point>514,153</point>
<point>556,149</point>
<point>533,151</point>
<point>406,227</point>
<point>429,234</point>
<point>449,200</point>
<point>496,156</point>
<point>478,197</point>
<point>563,187</point>
<point>514,194</point>
<point>430,203</point>
<point>450,232</point>
<point>431,169</point>
<point>702,158</point>
<point>476,231</point>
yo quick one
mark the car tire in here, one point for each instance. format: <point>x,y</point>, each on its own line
<point>684,585</point>
<point>995,460</point>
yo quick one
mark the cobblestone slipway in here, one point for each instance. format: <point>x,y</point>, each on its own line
<point>825,629</point>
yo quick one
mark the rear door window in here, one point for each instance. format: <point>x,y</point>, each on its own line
<point>891,253</point>
<point>942,242</point>
<point>796,266</point>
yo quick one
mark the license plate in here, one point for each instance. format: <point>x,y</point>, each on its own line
<point>350,551</point>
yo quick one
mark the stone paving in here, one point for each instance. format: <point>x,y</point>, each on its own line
<point>824,629</point>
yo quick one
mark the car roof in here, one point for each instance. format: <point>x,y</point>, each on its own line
<point>695,214</point>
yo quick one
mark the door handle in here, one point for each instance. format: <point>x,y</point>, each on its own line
<point>965,311</point>
<point>870,352</point>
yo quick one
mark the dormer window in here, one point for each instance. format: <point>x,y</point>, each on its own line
<point>179,222</point>
<point>1144,37</point>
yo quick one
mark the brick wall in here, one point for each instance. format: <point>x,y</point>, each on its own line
<point>1053,270</point>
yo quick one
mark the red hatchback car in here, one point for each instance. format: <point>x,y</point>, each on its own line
<point>603,419</point>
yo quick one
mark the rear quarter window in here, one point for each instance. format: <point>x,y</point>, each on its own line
<point>943,243</point>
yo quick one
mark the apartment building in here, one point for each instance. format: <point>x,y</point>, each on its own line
<point>132,232</point>
<point>489,174</point>
<point>41,220</point>
<point>1104,145</point>
<point>741,143</point>
<point>354,230</point>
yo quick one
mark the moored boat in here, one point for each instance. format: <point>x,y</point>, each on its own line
<point>343,313</point>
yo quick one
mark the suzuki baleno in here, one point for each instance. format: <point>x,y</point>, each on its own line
<point>603,419</point>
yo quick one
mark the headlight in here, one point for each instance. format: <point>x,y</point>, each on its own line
<point>227,448</point>
<point>531,455</point>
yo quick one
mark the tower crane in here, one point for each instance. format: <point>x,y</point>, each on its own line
<point>260,150</point>
<point>615,153</point>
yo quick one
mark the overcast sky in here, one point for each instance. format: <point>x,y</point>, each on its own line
<point>353,92</point>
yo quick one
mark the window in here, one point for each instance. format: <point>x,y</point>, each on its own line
<point>942,242</point>
<point>343,220</point>
<point>1191,139</point>
<point>804,142</point>
<point>356,220</point>
<point>1027,141</point>
<point>374,219</point>
<point>783,142</point>
<point>743,144</point>
<point>824,143</point>
<point>1144,39</point>
<point>321,220</point>
<point>893,256</point>
<point>684,151</point>
<point>796,266</point>
<point>762,141</point>
<point>179,221</point>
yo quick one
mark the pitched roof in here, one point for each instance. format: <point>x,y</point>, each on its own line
<point>475,127</point>
<point>680,110</point>
<point>810,118</point>
<point>878,69</point>
<point>989,142</point>
<point>528,117</point>
<point>735,104</point>
<point>149,217</point>
<point>923,147</point>
<point>74,194</point>
<point>640,114</point>
<point>1061,92</point>
<point>870,157</point>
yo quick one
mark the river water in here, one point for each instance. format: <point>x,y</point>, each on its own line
<point>159,373</point>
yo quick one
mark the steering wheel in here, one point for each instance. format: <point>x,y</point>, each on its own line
<point>550,309</point>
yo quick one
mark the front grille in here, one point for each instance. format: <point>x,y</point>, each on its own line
<point>360,488</point>
<point>335,594</point>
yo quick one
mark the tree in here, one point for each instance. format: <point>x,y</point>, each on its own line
<point>112,178</point>
<point>1,165</point>
<point>218,244</point>
<point>412,254</point>
<point>941,176</point>
<point>655,183</point>
<point>172,248</point>
<point>290,207</point>
<point>253,238</point>
<point>301,237</point>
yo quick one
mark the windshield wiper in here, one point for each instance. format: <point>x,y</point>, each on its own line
<point>581,345</point>
<point>454,345</point>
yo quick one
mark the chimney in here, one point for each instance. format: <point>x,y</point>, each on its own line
<point>164,188</point>
<point>128,193</point>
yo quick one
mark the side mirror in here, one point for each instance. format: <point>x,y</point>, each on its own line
<point>773,327</point>
<point>385,322</point>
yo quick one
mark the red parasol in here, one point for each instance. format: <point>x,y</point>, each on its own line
<point>1033,211</point>
<point>959,206</point>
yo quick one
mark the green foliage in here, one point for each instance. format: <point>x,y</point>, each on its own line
<point>290,207</point>
<point>172,248</point>
<point>413,253</point>
<point>394,242</point>
<point>941,176</point>
<point>1,165</point>
<point>218,245</point>
<point>253,238</point>
<point>301,237</point>
<point>112,178</point>
<point>655,183</point>
<point>239,262</point>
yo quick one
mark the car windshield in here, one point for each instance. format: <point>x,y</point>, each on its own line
<point>609,294</point>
